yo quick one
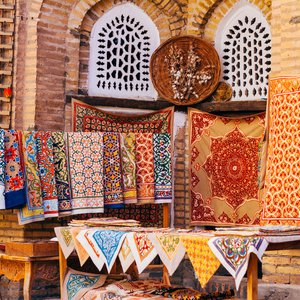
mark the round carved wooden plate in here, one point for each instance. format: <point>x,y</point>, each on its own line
<point>185,70</point>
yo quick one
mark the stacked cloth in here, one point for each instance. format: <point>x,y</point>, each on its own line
<point>87,286</point>
<point>51,174</point>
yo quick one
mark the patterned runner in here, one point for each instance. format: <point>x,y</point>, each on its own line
<point>224,168</point>
<point>169,249</point>
<point>34,210</point>
<point>86,171</point>
<point>113,190</point>
<point>142,249</point>
<point>145,168</point>
<point>2,170</point>
<point>61,173</point>
<point>204,261</point>
<point>234,253</point>
<point>281,201</point>
<point>127,142</point>
<point>47,173</point>
<point>15,194</point>
<point>162,167</point>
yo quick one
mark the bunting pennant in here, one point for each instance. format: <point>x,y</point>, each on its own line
<point>65,240</point>
<point>81,252</point>
<point>125,256</point>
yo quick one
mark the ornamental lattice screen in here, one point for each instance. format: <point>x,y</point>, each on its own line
<point>122,42</point>
<point>243,41</point>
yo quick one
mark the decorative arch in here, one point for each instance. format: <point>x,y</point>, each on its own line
<point>243,41</point>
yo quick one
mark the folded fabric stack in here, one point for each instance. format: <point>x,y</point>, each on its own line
<point>51,174</point>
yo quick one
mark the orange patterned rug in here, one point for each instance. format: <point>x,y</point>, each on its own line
<point>281,202</point>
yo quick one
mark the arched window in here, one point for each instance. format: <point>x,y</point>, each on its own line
<point>243,41</point>
<point>122,42</point>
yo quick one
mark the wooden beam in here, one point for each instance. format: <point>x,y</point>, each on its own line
<point>7,20</point>
<point>10,33</point>
<point>230,106</point>
<point>252,278</point>
<point>8,7</point>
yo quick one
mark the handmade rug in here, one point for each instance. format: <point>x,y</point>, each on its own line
<point>2,170</point>
<point>142,249</point>
<point>15,194</point>
<point>34,210</point>
<point>113,189</point>
<point>125,256</point>
<point>224,168</point>
<point>162,167</point>
<point>86,171</point>
<point>45,161</point>
<point>169,248</point>
<point>144,168</point>
<point>61,174</point>
<point>204,261</point>
<point>281,202</point>
<point>81,252</point>
<point>76,284</point>
<point>84,238</point>
<point>128,157</point>
<point>234,253</point>
<point>89,118</point>
<point>65,240</point>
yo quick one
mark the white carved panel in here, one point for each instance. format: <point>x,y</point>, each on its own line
<point>243,41</point>
<point>122,42</point>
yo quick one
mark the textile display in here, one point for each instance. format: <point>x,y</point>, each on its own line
<point>224,168</point>
<point>169,248</point>
<point>204,261</point>
<point>2,170</point>
<point>86,171</point>
<point>45,161</point>
<point>91,248</point>
<point>61,173</point>
<point>162,167</point>
<point>89,118</point>
<point>128,157</point>
<point>142,249</point>
<point>113,189</point>
<point>34,210</point>
<point>125,256</point>
<point>81,252</point>
<point>65,240</point>
<point>144,168</point>
<point>280,204</point>
<point>234,253</point>
<point>76,284</point>
<point>15,194</point>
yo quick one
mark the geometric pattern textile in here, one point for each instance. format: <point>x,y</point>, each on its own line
<point>15,195</point>
<point>86,171</point>
<point>142,249</point>
<point>280,204</point>
<point>76,284</point>
<point>88,118</point>
<point>169,248</point>
<point>61,173</point>
<point>224,168</point>
<point>144,168</point>
<point>204,261</point>
<point>234,253</point>
<point>45,161</point>
<point>113,191</point>
<point>162,167</point>
<point>127,142</point>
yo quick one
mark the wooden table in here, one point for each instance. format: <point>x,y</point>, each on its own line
<point>252,272</point>
<point>28,268</point>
